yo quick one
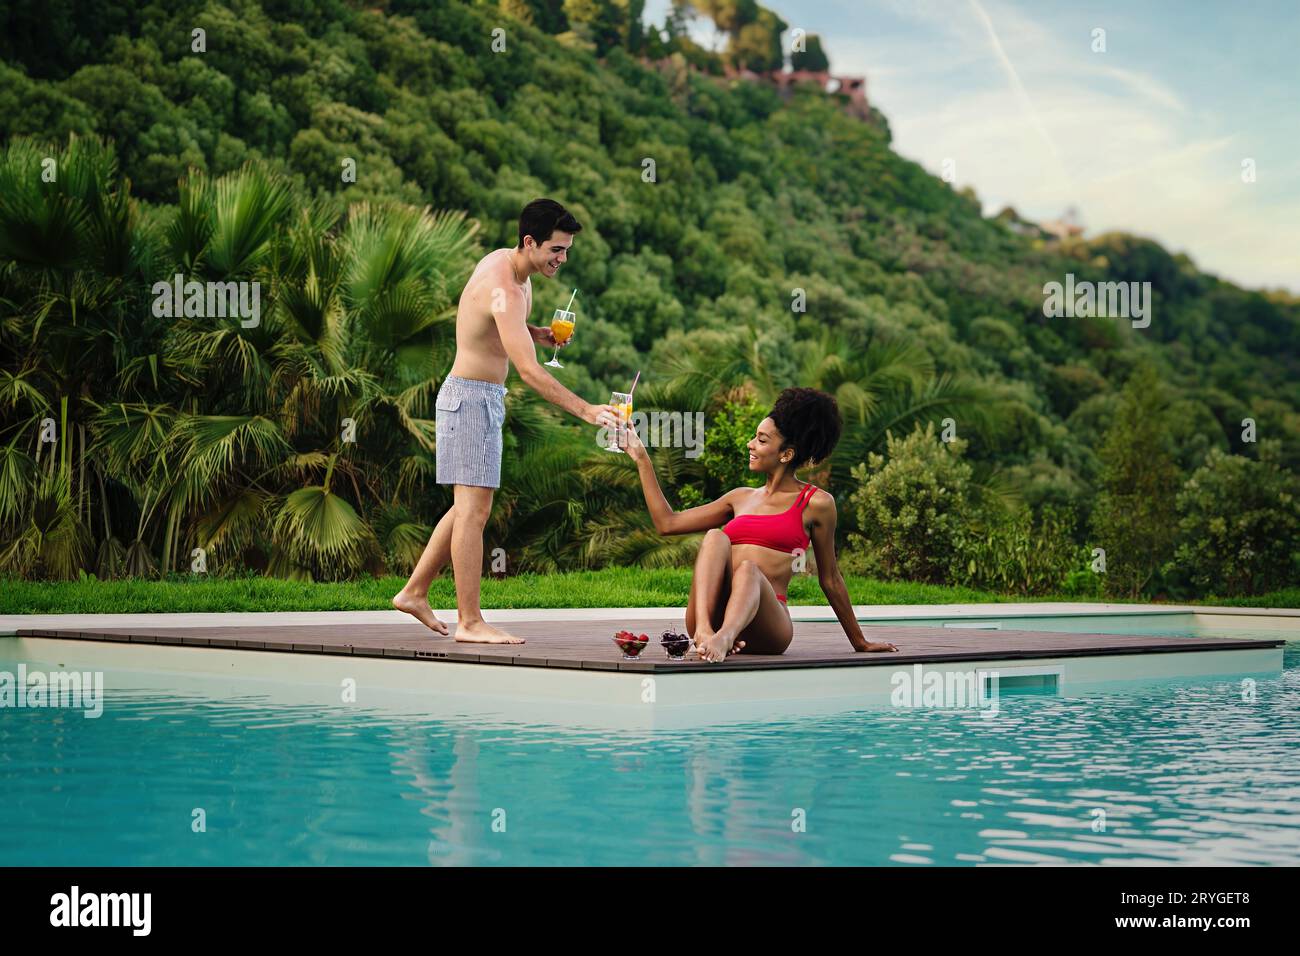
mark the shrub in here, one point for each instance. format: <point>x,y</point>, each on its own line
<point>1016,553</point>
<point>725,456</point>
<point>1082,582</point>
<point>912,508</point>
<point>1239,521</point>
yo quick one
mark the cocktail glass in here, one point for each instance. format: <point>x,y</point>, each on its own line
<point>622,402</point>
<point>562,329</point>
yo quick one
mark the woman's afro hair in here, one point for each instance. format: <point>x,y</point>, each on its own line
<point>809,421</point>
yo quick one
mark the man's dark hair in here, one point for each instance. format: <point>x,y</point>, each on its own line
<point>541,217</point>
<point>810,423</point>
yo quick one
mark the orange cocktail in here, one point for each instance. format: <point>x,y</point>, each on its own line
<point>562,330</point>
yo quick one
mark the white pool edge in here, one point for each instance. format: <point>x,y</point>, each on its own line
<point>588,698</point>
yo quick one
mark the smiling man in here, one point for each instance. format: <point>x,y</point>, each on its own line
<point>492,331</point>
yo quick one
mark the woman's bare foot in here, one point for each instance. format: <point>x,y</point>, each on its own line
<point>717,646</point>
<point>484,633</point>
<point>418,608</point>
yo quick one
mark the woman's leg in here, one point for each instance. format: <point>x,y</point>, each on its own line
<point>755,621</point>
<point>710,586</point>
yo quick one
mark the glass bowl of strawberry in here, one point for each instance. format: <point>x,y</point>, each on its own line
<point>631,644</point>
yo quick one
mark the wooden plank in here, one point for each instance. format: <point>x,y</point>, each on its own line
<point>587,644</point>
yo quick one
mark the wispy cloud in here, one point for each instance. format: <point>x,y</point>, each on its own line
<point>1144,86</point>
<point>1035,119</point>
<point>1017,85</point>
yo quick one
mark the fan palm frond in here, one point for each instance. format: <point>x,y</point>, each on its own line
<point>318,529</point>
<point>214,448</point>
<point>248,208</point>
<point>18,478</point>
<point>233,522</point>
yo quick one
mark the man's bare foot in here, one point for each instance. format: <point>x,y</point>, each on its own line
<point>485,633</point>
<point>418,608</point>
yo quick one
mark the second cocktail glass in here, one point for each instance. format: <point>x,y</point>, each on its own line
<point>622,401</point>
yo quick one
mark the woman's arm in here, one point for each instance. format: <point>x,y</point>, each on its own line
<point>667,521</point>
<point>822,508</point>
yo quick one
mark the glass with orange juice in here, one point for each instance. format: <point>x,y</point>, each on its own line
<point>562,329</point>
<point>622,402</point>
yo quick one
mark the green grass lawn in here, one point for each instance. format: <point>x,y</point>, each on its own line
<point>615,587</point>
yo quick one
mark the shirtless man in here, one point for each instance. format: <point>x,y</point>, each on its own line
<point>491,332</point>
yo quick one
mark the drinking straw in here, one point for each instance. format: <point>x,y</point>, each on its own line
<point>569,307</point>
<point>634,381</point>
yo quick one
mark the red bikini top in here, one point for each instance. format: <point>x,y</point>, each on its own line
<point>783,532</point>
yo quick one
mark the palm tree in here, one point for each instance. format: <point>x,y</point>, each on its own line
<point>340,375</point>
<point>296,436</point>
<point>71,261</point>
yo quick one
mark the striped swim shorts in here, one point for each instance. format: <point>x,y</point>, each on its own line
<point>468,419</point>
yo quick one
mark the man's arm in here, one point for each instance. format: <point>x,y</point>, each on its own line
<point>512,326</point>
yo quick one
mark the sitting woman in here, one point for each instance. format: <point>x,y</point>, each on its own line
<point>737,600</point>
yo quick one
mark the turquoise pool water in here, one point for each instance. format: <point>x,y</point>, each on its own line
<point>1173,624</point>
<point>1184,772</point>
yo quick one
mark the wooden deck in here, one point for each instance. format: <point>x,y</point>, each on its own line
<point>587,645</point>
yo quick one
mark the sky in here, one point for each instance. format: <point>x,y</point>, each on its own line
<point>1148,136</point>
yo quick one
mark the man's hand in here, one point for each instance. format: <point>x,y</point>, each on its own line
<point>604,415</point>
<point>543,335</point>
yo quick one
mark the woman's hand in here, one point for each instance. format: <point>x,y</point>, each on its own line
<point>628,440</point>
<point>875,646</point>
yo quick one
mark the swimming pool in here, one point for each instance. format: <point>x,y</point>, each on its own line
<point>1165,772</point>
<point>1175,623</point>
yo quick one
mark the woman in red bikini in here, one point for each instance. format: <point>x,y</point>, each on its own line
<point>737,600</point>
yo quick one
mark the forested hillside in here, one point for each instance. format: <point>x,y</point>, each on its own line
<point>735,243</point>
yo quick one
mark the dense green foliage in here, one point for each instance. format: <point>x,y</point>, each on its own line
<point>1134,521</point>
<point>779,242</point>
<point>1238,523</point>
<point>1018,552</point>
<point>923,515</point>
